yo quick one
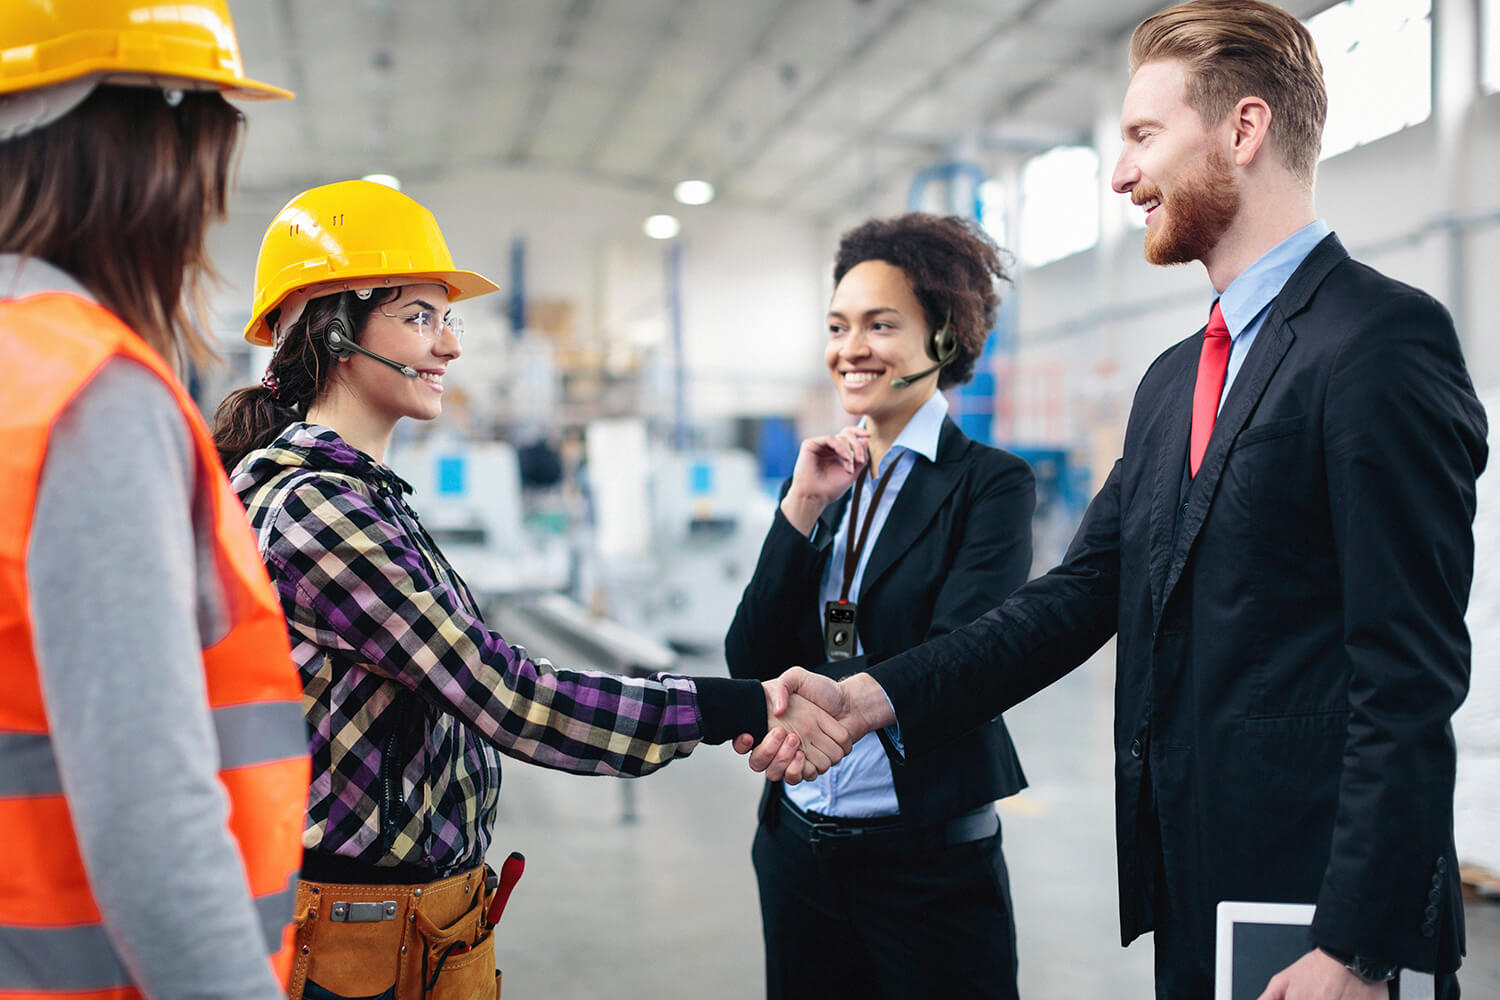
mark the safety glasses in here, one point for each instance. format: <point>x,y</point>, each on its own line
<point>427,325</point>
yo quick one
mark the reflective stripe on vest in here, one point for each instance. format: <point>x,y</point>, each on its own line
<point>248,735</point>
<point>51,936</point>
<point>82,959</point>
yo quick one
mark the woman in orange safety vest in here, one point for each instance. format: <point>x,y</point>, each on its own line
<point>153,764</point>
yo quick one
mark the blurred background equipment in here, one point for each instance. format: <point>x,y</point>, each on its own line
<point>615,432</point>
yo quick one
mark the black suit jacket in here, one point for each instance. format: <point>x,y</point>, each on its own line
<point>956,542</point>
<point>1291,643</point>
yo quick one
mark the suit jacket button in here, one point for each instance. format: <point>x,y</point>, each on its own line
<point>1433,895</point>
<point>1431,912</point>
<point>1427,930</point>
<point>1437,881</point>
<point>1442,864</point>
<point>1135,749</point>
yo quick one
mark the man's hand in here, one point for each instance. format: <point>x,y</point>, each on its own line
<point>1319,976</point>
<point>866,707</point>
<point>857,703</point>
<point>804,739</point>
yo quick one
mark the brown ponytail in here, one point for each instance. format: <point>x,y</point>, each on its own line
<point>251,418</point>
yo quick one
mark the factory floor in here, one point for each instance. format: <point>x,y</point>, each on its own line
<point>643,889</point>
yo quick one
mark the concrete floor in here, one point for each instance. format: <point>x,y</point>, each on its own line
<point>664,906</point>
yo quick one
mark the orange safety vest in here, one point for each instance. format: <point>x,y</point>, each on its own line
<point>52,939</point>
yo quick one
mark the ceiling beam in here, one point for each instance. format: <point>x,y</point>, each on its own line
<point>932,82</point>
<point>852,55</point>
<point>708,105</point>
<point>551,76</point>
<point>1086,58</point>
<point>630,90</point>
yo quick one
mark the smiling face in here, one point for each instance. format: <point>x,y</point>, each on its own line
<point>876,331</point>
<point>1174,168</point>
<point>408,329</point>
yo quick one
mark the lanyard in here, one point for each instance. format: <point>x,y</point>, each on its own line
<point>852,549</point>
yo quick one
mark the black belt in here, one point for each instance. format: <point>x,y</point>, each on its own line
<point>885,834</point>
<point>320,866</point>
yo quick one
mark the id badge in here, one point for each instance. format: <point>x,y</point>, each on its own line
<point>838,629</point>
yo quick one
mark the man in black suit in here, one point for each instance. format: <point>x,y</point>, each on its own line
<point>1284,552</point>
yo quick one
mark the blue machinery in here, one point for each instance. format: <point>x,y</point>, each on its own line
<point>1062,486</point>
<point>975,403</point>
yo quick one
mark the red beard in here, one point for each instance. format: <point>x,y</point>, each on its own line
<point>1196,216</point>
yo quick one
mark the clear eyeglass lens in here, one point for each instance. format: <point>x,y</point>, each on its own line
<point>423,323</point>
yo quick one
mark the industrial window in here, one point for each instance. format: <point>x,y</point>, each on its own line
<point>1059,204</point>
<point>1377,62</point>
<point>992,208</point>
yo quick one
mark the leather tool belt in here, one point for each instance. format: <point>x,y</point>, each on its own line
<point>395,942</point>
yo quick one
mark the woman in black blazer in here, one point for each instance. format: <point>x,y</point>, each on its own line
<point>885,877</point>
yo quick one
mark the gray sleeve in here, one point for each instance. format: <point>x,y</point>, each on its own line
<point>115,595</point>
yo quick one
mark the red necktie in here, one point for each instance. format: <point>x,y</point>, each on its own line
<point>1212,364</point>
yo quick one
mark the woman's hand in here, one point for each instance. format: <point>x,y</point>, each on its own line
<point>826,467</point>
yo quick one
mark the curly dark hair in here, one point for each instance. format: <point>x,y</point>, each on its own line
<point>952,264</point>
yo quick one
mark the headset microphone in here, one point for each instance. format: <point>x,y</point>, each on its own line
<point>341,344</point>
<point>942,348</point>
<point>902,381</point>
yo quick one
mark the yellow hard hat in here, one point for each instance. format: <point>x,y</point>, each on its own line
<point>171,45</point>
<point>344,237</point>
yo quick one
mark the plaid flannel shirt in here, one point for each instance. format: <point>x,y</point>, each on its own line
<point>409,698</point>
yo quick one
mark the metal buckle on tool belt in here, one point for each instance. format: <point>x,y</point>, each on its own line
<point>364,913</point>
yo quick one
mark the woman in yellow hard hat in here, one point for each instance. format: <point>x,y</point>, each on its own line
<point>153,768</point>
<point>410,697</point>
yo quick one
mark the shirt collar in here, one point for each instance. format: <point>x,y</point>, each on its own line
<point>21,276</point>
<point>922,431</point>
<point>1253,290</point>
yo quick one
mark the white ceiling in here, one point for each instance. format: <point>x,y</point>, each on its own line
<point>802,106</point>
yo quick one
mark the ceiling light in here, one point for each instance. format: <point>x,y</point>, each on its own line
<point>389,180</point>
<point>694,192</point>
<point>662,227</point>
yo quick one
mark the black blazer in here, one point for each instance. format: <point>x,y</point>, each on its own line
<point>956,542</point>
<point>1287,664</point>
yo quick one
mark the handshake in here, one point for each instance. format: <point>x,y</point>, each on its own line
<point>813,721</point>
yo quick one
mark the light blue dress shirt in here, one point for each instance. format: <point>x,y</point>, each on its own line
<point>1248,298</point>
<point>861,786</point>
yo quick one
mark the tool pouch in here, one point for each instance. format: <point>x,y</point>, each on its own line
<point>458,959</point>
<point>395,942</point>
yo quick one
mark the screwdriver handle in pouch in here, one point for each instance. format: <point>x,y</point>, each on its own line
<point>510,874</point>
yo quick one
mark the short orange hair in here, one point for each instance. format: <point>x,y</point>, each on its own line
<point>1234,49</point>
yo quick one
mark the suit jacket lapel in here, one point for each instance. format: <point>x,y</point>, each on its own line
<point>1271,344</point>
<point>926,487</point>
<point>828,522</point>
<point>1177,421</point>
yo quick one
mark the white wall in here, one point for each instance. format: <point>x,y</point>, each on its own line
<point>1398,204</point>
<point>753,285</point>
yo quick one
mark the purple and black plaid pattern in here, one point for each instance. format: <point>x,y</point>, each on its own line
<point>407,694</point>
